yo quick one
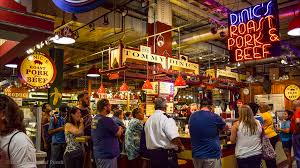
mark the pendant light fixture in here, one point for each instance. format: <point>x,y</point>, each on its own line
<point>179,82</point>
<point>93,72</point>
<point>294,25</point>
<point>64,35</point>
<point>147,85</point>
<point>124,87</point>
<point>101,89</point>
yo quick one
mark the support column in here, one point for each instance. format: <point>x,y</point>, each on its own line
<point>55,91</point>
<point>160,20</point>
<point>90,82</point>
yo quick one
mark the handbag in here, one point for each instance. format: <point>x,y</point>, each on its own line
<point>268,151</point>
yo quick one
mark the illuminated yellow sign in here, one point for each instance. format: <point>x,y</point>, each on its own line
<point>292,92</point>
<point>37,70</point>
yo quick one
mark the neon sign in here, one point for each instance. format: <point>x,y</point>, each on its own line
<point>254,32</point>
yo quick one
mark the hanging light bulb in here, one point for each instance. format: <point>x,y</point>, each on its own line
<point>93,72</point>
<point>66,36</point>
<point>180,82</point>
<point>124,87</point>
<point>294,25</point>
<point>147,86</point>
<point>101,89</point>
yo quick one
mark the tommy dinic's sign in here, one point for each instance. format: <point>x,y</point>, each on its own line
<point>145,55</point>
<point>37,70</point>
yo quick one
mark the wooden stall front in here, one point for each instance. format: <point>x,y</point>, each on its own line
<point>277,87</point>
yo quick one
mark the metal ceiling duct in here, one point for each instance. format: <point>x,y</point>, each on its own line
<point>196,10</point>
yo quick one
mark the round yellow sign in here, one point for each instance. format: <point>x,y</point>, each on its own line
<point>37,70</point>
<point>292,92</point>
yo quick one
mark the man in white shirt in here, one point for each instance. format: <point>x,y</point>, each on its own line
<point>162,137</point>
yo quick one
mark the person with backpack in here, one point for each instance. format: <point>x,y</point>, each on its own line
<point>286,135</point>
<point>16,148</point>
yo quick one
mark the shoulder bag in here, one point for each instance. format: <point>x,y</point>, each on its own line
<point>268,151</point>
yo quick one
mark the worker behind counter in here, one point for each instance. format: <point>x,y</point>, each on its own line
<point>162,137</point>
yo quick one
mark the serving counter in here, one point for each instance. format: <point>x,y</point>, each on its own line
<point>185,158</point>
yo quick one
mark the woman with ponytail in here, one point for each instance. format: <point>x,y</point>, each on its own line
<point>73,156</point>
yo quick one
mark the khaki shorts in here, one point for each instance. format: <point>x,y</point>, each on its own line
<point>207,163</point>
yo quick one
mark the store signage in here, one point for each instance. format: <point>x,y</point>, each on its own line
<point>225,73</point>
<point>166,63</point>
<point>78,6</point>
<point>183,64</point>
<point>16,92</point>
<point>166,88</point>
<point>138,55</point>
<point>37,70</point>
<point>292,92</point>
<point>254,32</point>
<point>154,91</point>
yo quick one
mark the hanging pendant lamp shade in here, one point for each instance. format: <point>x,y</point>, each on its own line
<point>101,89</point>
<point>180,82</point>
<point>93,72</point>
<point>147,86</point>
<point>294,27</point>
<point>124,88</point>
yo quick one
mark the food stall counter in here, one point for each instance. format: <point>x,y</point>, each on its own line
<point>228,159</point>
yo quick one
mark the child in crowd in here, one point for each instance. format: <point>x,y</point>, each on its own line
<point>286,135</point>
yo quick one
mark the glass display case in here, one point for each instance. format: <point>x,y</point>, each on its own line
<point>32,120</point>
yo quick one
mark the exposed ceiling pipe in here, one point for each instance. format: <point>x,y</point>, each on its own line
<point>196,37</point>
<point>196,10</point>
<point>185,13</point>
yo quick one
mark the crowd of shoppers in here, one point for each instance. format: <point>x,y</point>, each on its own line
<point>156,140</point>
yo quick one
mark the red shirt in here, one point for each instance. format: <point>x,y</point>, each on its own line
<point>293,120</point>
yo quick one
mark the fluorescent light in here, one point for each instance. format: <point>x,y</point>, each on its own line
<point>11,65</point>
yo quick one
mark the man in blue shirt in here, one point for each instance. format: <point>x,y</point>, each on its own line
<point>58,145</point>
<point>204,130</point>
<point>105,133</point>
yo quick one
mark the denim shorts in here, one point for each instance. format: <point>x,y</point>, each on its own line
<point>287,145</point>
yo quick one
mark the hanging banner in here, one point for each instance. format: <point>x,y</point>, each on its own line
<point>254,32</point>
<point>37,70</point>
<point>55,91</point>
<point>78,6</point>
